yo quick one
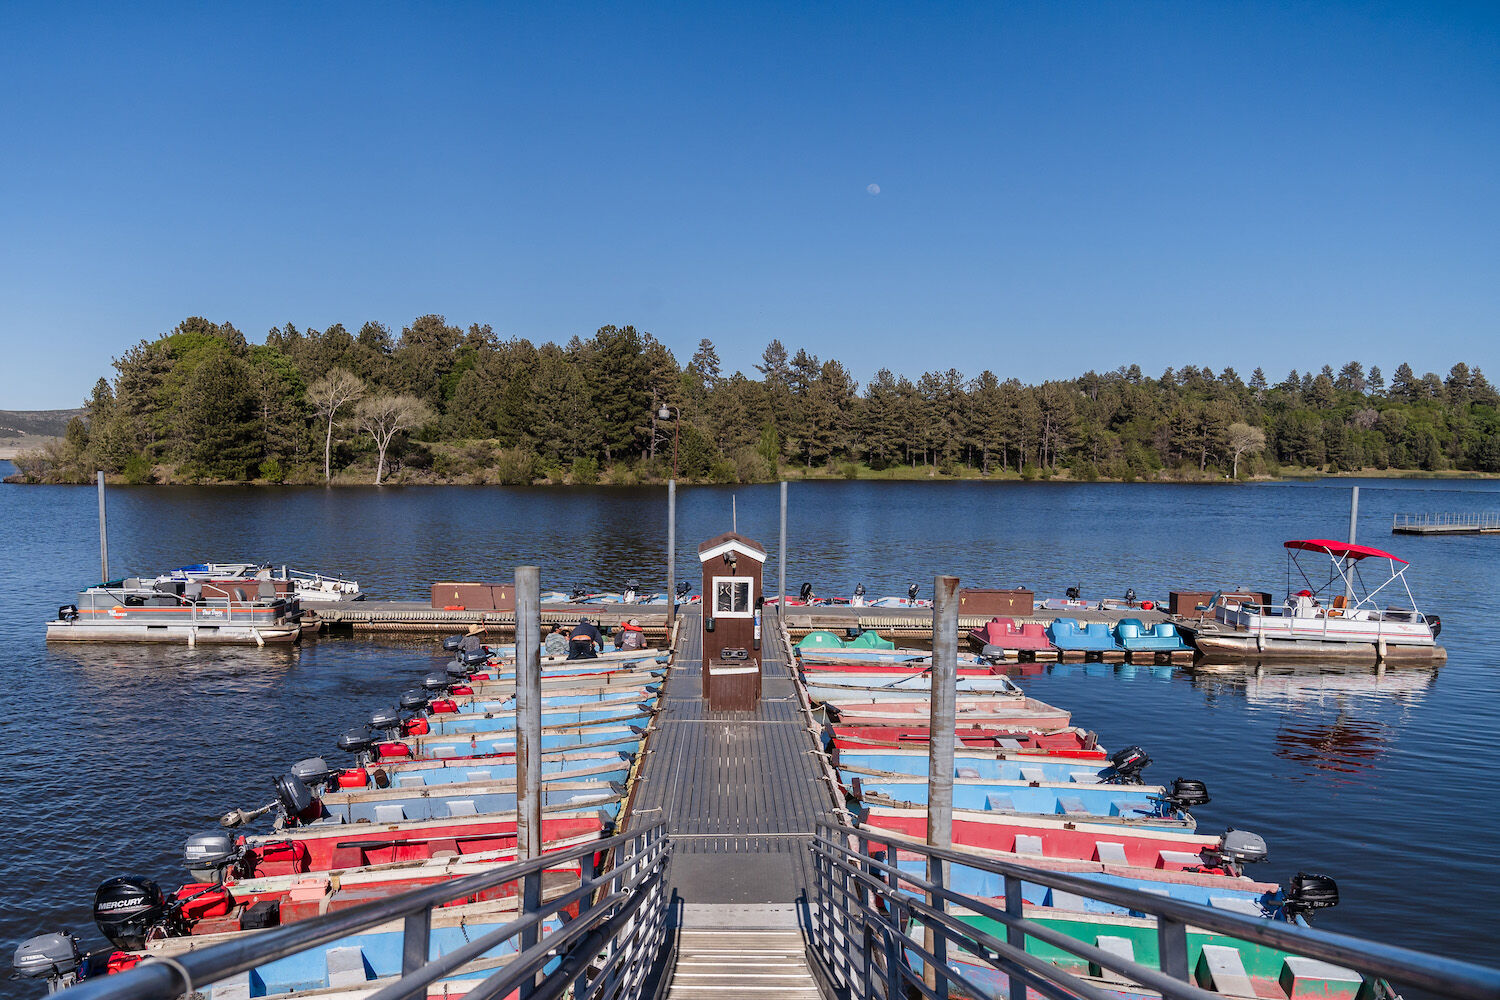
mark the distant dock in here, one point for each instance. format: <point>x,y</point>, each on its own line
<point>1446,524</point>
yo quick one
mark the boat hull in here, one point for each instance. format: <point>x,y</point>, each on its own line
<point>218,635</point>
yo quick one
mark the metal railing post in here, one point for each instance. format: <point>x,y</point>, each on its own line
<point>529,746</point>
<point>1171,946</point>
<point>416,941</point>
<point>1014,935</point>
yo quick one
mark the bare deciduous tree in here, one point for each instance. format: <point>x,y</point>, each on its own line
<point>1244,440</point>
<point>328,394</point>
<point>383,417</point>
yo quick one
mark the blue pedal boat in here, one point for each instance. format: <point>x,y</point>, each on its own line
<point>1068,635</point>
<point>1162,637</point>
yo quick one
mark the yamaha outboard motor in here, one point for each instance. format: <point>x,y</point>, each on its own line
<point>436,681</point>
<point>1125,766</point>
<point>415,699</point>
<point>54,956</point>
<point>211,856</point>
<point>126,908</point>
<point>385,721</point>
<point>1236,849</point>
<point>1309,891</point>
<point>1186,793</point>
<point>313,772</point>
<point>293,798</point>
<point>355,741</point>
<point>452,642</point>
<point>457,669</point>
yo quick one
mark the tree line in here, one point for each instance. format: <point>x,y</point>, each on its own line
<point>438,402</point>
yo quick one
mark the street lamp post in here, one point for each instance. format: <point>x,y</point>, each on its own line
<point>667,413</point>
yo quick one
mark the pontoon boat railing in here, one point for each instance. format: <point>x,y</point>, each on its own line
<point>605,953</point>
<point>1472,520</point>
<point>863,941</point>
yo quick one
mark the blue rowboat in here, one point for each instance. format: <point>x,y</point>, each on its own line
<point>582,767</point>
<point>1069,635</point>
<point>551,701</point>
<point>630,713</point>
<point>1162,637</point>
<point>395,805</point>
<point>1259,899</point>
<point>626,739</point>
<point>1134,805</point>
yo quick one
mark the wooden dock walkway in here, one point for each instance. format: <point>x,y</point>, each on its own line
<point>740,792</point>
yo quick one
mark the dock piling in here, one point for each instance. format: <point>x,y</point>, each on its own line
<point>529,742</point>
<point>941,737</point>
<point>1353,514</point>
<point>671,553</point>
<point>781,545</point>
<point>103,534</point>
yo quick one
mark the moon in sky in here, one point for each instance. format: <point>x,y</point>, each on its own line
<point>873,188</point>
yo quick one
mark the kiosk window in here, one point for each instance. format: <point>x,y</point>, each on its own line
<point>731,597</point>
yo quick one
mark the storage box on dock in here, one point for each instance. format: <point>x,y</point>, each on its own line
<point>978,601</point>
<point>1185,602</point>
<point>474,596</point>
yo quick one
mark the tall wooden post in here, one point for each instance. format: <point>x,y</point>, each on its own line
<point>529,740</point>
<point>671,555</point>
<point>781,580</point>
<point>941,735</point>
<point>103,534</point>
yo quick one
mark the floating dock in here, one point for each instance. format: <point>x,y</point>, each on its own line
<point>1446,524</point>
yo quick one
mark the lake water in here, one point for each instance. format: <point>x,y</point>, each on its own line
<point>113,755</point>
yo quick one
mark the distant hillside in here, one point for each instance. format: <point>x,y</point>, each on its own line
<point>36,423</point>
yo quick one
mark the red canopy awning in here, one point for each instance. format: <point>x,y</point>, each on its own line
<point>1341,550</point>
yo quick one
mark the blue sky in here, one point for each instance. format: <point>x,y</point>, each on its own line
<point>1061,186</point>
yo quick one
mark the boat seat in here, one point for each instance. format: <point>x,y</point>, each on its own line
<point>967,772</point>
<point>1084,777</point>
<point>444,752</point>
<point>478,775</point>
<point>1028,844</point>
<point>1071,805</point>
<point>1308,977</point>
<point>999,803</point>
<point>1130,807</point>
<point>462,807</point>
<point>1033,774</point>
<point>1110,852</point>
<point>1183,858</point>
<point>1119,947</point>
<point>1063,900</point>
<point>411,780</point>
<point>1222,969</point>
<point>1236,904</point>
<point>390,813</point>
<point>1008,743</point>
<point>233,988</point>
<point>347,967</point>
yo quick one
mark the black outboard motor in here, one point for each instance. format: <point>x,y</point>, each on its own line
<point>683,589</point>
<point>415,699</point>
<point>451,642</point>
<point>912,592</point>
<point>1125,766</point>
<point>385,722</point>
<point>55,956</point>
<point>211,856</point>
<point>356,741</point>
<point>1186,793</point>
<point>66,613</point>
<point>579,592</point>
<point>805,593</point>
<point>1129,595</point>
<point>1309,891</point>
<point>1074,593</point>
<point>295,800</point>
<point>1435,623</point>
<point>127,909</point>
<point>631,586</point>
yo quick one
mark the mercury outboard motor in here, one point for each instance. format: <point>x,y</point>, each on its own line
<point>805,593</point>
<point>1309,891</point>
<point>415,699</point>
<point>683,589</point>
<point>1186,793</point>
<point>54,956</point>
<point>1074,593</point>
<point>912,591</point>
<point>127,908</point>
<point>1125,766</point>
<point>1237,848</point>
<point>578,593</point>
<point>211,856</point>
<point>452,642</point>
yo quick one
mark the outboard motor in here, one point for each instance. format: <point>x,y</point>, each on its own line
<point>805,593</point>
<point>912,592</point>
<point>858,599</point>
<point>313,772</point>
<point>127,909</point>
<point>992,654</point>
<point>435,681</point>
<point>211,856</point>
<point>1186,793</point>
<point>1129,595</point>
<point>1236,849</point>
<point>68,613</point>
<point>472,658</point>
<point>456,668</point>
<point>385,721</point>
<point>1074,593</point>
<point>295,800</point>
<point>451,642</point>
<point>683,589</point>
<point>579,593</point>
<point>1435,623</point>
<point>415,699</point>
<point>355,741</point>
<point>54,956</point>
<point>631,586</point>
<point>1125,766</point>
<point>1309,891</point>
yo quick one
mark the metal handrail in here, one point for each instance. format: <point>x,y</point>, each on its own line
<point>1472,519</point>
<point>636,878</point>
<point>849,876</point>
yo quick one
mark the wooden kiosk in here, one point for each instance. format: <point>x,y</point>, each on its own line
<point>732,600</point>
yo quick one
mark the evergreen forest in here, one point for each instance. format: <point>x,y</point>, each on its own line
<point>440,403</point>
